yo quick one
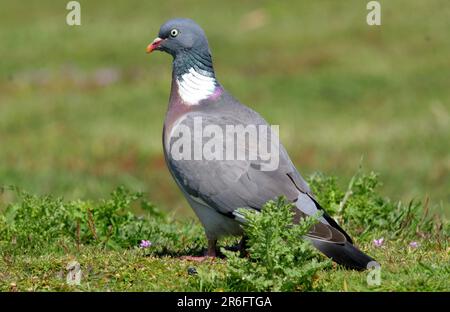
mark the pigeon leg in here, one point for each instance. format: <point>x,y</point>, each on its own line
<point>239,247</point>
<point>242,243</point>
<point>212,248</point>
<point>211,253</point>
<point>242,247</point>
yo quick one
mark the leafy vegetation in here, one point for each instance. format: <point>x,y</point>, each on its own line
<point>39,235</point>
<point>36,222</point>
<point>78,122</point>
<point>279,259</point>
<point>364,210</point>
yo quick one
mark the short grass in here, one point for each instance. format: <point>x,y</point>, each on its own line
<point>40,235</point>
<point>404,269</point>
<point>81,108</point>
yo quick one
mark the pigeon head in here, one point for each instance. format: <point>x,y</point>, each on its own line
<point>179,36</point>
<point>193,69</point>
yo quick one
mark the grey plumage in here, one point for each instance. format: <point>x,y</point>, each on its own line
<point>216,188</point>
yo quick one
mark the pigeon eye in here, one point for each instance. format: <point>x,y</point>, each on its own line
<point>174,33</point>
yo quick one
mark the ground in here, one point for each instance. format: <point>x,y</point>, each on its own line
<point>130,271</point>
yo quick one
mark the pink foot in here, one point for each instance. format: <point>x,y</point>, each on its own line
<point>196,259</point>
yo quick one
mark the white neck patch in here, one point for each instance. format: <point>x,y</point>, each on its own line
<point>194,87</point>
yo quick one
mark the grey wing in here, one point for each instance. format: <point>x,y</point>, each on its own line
<point>226,185</point>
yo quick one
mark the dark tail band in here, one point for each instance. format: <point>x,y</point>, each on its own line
<point>344,254</point>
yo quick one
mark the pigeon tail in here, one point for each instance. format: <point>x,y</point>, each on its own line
<point>345,254</point>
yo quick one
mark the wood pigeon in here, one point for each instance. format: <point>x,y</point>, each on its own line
<point>216,187</point>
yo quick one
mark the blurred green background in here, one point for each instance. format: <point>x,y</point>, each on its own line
<point>82,107</point>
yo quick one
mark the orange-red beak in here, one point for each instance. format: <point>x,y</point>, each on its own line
<point>154,45</point>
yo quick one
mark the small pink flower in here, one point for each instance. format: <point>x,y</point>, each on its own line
<point>378,242</point>
<point>414,244</point>
<point>145,243</point>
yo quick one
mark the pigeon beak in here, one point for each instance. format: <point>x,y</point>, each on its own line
<point>154,45</point>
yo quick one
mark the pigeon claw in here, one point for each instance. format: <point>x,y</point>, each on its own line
<point>197,259</point>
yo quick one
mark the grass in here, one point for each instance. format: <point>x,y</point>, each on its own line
<point>88,104</point>
<point>105,270</point>
<point>81,112</point>
<point>40,235</point>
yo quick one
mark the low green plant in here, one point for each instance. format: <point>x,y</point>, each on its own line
<point>33,222</point>
<point>366,213</point>
<point>40,234</point>
<point>279,258</point>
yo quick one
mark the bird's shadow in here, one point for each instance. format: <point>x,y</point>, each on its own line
<point>196,252</point>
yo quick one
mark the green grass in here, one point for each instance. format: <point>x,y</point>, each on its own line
<point>40,235</point>
<point>403,270</point>
<point>339,89</point>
